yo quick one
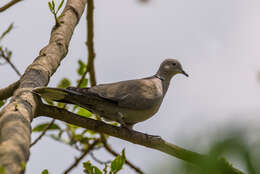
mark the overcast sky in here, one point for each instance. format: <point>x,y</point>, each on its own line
<point>217,43</point>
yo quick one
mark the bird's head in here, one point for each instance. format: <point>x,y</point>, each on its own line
<point>169,68</point>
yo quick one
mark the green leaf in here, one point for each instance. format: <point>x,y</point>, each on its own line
<point>97,171</point>
<point>82,67</point>
<point>41,127</point>
<point>10,27</point>
<point>118,162</point>
<point>50,102</point>
<point>90,169</point>
<point>84,112</point>
<point>1,103</point>
<point>72,126</point>
<point>53,4</point>
<point>64,83</point>
<point>2,170</point>
<point>84,83</point>
<point>50,6</point>
<point>45,171</point>
<point>23,165</point>
<point>60,5</point>
<point>87,166</point>
<point>61,105</point>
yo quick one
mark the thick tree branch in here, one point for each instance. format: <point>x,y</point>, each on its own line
<point>91,55</point>
<point>15,118</point>
<point>8,91</point>
<point>135,137</point>
<point>8,5</point>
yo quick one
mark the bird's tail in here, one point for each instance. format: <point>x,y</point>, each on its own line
<point>56,94</point>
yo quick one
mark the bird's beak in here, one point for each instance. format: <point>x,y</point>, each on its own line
<point>184,73</point>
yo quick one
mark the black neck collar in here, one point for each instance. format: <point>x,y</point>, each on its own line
<point>159,77</point>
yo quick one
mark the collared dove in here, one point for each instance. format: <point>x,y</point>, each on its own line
<point>127,102</point>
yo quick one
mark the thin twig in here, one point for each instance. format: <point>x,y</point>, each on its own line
<point>8,5</point>
<point>90,42</point>
<point>114,153</point>
<point>7,59</point>
<point>10,27</point>
<point>43,133</point>
<point>77,160</point>
<point>90,45</point>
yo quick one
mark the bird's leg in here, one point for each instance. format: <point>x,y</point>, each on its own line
<point>122,122</point>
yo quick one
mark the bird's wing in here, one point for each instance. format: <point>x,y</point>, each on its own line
<point>132,94</point>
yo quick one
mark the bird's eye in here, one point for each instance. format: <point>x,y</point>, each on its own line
<point>174,64</point>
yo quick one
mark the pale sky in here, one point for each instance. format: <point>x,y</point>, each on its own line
<point>217,43</point>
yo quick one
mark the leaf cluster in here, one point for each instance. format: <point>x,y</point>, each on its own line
<point>115,166</point>
<point>54,11</point>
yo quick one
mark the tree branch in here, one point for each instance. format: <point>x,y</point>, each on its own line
<point>90,42</point>
<point>135,137</point>
<point>15,118</point>
<point>8,91</point>
<point>77,160</point>
<point>8,60</point>
<point>8,5</point>
<point>91,55</point>
<point>110,150</point>
<point>43,133</point>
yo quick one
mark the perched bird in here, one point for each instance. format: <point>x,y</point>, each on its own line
<point>127,102</point>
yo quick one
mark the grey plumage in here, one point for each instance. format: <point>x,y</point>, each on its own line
<point>127,102</point>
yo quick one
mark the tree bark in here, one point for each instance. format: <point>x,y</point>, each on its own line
<point>16,117</point>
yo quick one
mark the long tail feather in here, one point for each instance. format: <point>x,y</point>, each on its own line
<point>55,94</point>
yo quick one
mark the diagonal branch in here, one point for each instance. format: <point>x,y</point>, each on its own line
<point>8,91</point>
<point>43,133</point>
<point>110,150</point>
<point>8,5</point>
<point>15,118</point>
<point>77,160</point>
<point>7,59</point>
<point>135,137</point>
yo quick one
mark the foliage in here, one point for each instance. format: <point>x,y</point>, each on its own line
<point>53,11</point>
<point>115,167</point>
<point>42,126</point>
<point>90,169</point>
<point>84,112</point>
<point>234,146</point>
<point>45,171</point>
<point>1,103</point>
<point>118,163</point>
<point>82,67</point>
<point>10,27</point>
<point>64,83</point>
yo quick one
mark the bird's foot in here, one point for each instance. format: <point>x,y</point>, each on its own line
<point>122,122</point>
<point>127,126</point>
